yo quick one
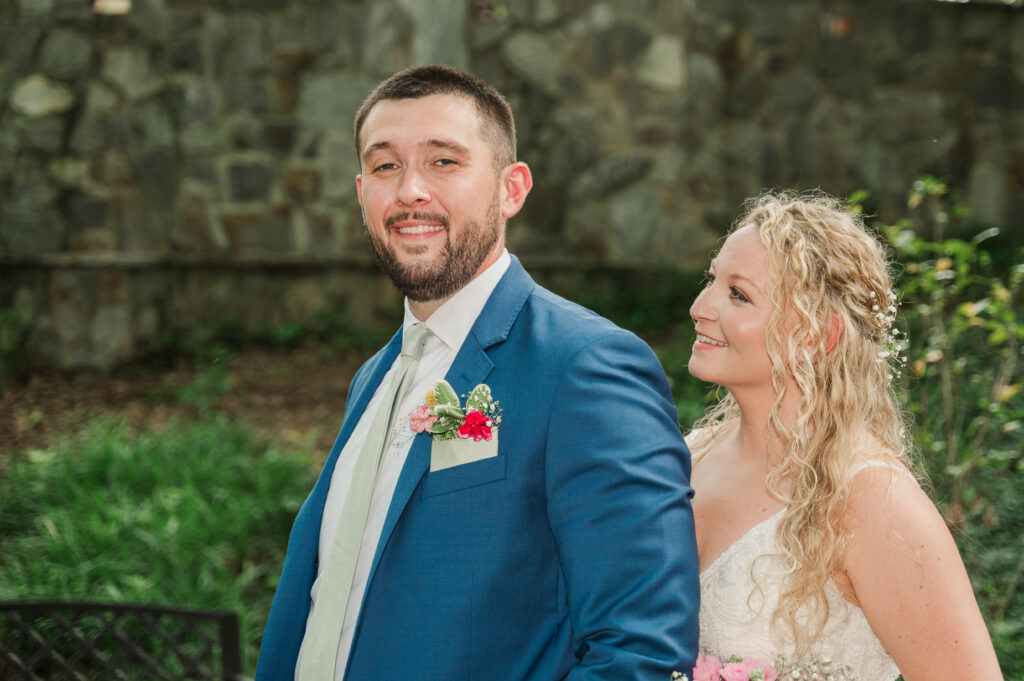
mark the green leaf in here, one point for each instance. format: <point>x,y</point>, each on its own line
<point>478,398</point>
<point>449,411</point>
<point>998,336</point>
<point>444,428</point>
<point>445,394</point>
<point>857,197</point>
<point>987,234</point>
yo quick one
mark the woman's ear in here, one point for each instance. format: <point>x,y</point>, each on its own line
<point>835,330</point>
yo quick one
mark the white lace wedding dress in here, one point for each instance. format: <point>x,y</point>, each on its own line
<point>735,615</point>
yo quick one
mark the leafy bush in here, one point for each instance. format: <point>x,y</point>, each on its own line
<point>191,515</point>
<point>963,389</point>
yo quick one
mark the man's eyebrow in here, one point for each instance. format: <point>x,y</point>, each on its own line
<point>376,146</point>
<point>454,147</point>
<point>447,145</point>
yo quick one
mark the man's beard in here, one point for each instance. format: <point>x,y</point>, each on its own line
<point>454,267</point>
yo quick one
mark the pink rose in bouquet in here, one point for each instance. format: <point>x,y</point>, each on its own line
<point>747,670</point>
<point>708,668</point>
<point>711,668</point>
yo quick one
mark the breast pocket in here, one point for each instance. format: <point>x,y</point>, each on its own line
<point>465,476</point>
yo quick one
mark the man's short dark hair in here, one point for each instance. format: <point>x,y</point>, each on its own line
<point>499,127</point>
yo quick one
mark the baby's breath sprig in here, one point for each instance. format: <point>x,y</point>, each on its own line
<point>892,346</point>
<point>813,670</point>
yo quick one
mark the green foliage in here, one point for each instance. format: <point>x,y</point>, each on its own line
<point>653,304</point>
<point>335,328</point>
<point>212,379</point>
<point>966,321</point>
<point>13,333</point>
<point>192,515</point>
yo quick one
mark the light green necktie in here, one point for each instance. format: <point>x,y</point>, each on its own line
<point>324,629</point>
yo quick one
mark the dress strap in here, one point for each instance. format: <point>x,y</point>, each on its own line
<point>879,463</point>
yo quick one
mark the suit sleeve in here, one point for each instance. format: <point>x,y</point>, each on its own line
<point>618,495</point>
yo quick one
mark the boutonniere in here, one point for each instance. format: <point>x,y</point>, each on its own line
<point>445,419</point>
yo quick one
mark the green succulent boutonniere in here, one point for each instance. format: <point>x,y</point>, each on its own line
<point>445,419</point>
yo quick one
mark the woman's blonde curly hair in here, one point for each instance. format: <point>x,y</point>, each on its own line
<point>822,264</point>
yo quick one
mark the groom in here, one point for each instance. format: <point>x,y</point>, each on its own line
<point>555,543</point>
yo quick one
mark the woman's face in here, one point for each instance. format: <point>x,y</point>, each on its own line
<point>731,316</point>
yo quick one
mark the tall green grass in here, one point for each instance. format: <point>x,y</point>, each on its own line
<point>193,514</point>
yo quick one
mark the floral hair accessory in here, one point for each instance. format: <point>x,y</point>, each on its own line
<point>445,419</point>
<point>887,334</point>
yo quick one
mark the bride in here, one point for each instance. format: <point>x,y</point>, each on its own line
<point>818,549</point>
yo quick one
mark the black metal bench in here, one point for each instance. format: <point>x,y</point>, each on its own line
<point>51,640</point>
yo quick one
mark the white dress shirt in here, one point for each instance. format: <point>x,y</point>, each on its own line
<point>449,326</point>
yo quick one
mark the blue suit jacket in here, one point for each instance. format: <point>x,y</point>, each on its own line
<point>569,555</point>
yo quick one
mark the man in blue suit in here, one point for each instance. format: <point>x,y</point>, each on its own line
<point>555,544</point>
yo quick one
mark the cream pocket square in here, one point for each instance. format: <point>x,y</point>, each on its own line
<point>458,451</point>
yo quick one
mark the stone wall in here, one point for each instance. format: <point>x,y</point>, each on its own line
<point>192,161</point>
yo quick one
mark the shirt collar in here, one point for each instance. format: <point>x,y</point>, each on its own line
<point>452,321</point>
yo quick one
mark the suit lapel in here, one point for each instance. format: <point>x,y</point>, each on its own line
<point>471,367</point>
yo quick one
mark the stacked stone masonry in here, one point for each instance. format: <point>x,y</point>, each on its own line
<point>192,161</point>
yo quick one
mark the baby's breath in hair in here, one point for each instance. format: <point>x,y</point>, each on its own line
<point>891,346</point>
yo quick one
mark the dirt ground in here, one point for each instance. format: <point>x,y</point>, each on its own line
<point>295,398</point>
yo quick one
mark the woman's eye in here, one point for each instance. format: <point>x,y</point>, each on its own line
<point>738,295</point>
<point>709,278</point>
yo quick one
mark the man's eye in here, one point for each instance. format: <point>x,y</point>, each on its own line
<point>445,162</point>
<point>384,167</point>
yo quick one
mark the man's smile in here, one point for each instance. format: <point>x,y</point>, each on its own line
<point>419,229</point>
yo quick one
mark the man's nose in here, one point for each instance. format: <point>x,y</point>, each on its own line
<point>413,189</point>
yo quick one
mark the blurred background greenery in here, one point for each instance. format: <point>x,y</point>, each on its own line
<point>197,511</point>
<point>186,291</point>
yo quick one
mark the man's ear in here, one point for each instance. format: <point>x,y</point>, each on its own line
<point>359,188</point>
<point>516,182</point>
<point>835,330</point>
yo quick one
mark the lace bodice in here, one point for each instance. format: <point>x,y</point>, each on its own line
<point>735,615</point>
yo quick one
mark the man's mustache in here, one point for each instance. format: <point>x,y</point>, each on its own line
<point>426,217</point>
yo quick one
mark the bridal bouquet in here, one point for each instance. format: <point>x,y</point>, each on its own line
<point>813,669</point>
<point>712,668</point>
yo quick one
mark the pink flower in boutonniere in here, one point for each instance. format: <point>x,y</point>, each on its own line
<point>476,425</point>
<point>421,419</point>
